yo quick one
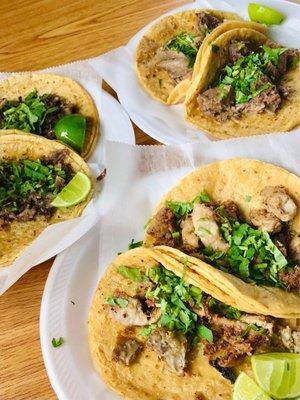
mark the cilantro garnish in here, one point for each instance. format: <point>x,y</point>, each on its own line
<point>205,333</point>
<point>27,115</point>
<point>185,44</point>
<point>134,274</point>
<point>245,74</point>
<point>255,328</point>
<point>147,330</point>
<point>214,48</point>
<point>180,209</point>
<point>134,245</point>
<point>57,342</point>
<point>223,309</point>
<point>117,302</point>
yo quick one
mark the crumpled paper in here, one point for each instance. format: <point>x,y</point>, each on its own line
<point>138,176</point>
<point>58,237</point>
<point>167,123</point>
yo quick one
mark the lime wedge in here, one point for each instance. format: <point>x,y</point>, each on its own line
<point>264,15</point>
<point>71,129</point>
<point>246,389</point>
<point>74,192</point>
<point>278,373</point>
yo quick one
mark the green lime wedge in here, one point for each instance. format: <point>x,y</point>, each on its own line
<point>70,129</point>
<point>246,389</point>
<point>278,374</point>
<point>264,15</point>
<point>74,192</point>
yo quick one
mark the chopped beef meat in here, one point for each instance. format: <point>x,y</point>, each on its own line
<point>279,202</point>
<point>190,240</point>
<point>174,62</point>
<point>282,240</point>
<point>295,248</point>
<point>206,23</point>
<point>231,209</point>
<point>206,227</point>
<point>284,91</point>
<point>280,246</point>
<point>227,373</point>
<point>259,320</point>
<point>265,220</point>
<point>240,49</point>
<point>132,313</point>
<point>127,350</point>
<point>170,348</point>
<point>162,226</point>
<point>291,278</point>
<point>216,103</point>
<point>290,339</point>
<point>268,100</point>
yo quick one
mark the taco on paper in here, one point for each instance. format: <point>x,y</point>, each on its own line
<point>247,85</point>
<point>170,52</point>
<point>33,171</point>
<point>242,218</point>
<point>155,333</point>
<point>52,106</point>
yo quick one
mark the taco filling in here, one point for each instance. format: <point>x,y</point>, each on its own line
<point>27,187</point>
<point>173,318</point>
<point>39,113</point>
<point>252,81</point>
<point>178,55</point>
<point>262,250</point>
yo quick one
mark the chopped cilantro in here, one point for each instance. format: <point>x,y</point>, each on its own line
<point>223,309</point>
<point>205,333</point>
<point>134,245</point>
<point>185,43</point>
<point>254,327</point>
<point>147,330</point>
<point>248,198</point>
<point>117,302</point>
<point>180,209</point>
<point>57,342</point>
<point>175,235</point>
<point>214,48</point>
<point>134,274</point>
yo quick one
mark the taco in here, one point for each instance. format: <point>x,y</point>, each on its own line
<point>241,218</point>
<point>155,333</point>
<point>33,170</point>
<point>247,85</point>
<point>52,106</point>
<point>172,49</point>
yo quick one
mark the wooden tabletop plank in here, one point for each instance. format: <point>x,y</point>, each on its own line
<point>34,35</point>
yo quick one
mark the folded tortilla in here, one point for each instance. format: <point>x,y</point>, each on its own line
<point>24,83</point>
<point>251,123</point>
<point>158,35</point>
<point>17,235</point>
<point>236,180</point>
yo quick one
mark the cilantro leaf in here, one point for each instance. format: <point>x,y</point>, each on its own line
<point>57,342</point>
<point>205,333</point>
<point>117,302</point>
<point>134,274</point>
<point>185,43</point>
<point>134,245</point>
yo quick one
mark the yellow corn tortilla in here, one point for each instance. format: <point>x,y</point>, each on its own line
<point>157,36</point>
<point>24,83</point>
<point>17,235</point>
<point>147,378</point>
<point>285,119</point>
<point>238,180</point>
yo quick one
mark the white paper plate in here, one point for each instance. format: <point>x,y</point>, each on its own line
<point>73,277</point>
<point>166,123</point>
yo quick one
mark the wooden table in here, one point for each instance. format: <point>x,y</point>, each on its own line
<point>36,34</point>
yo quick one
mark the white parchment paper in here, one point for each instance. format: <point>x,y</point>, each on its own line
<point>139,176</point>
<point>166,123</point>
<point>58,237</point>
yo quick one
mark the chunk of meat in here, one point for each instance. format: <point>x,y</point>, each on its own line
<point>231,210</point>
<point>207,229</point>
<point>133,314</point>
<point>295,248</point>
<point>265,220</point>
<point>162,226</point>
<point>291,278</point>
<point>290,339</point>
<point>126,350</point>
<point>268,100</point>
<point>174,62</point>
<point>189,238</point>
<point>216,102</point>
<point>170,348</point>
<point>206,22</point>
<point>237,50</point>
<point>277,201</point>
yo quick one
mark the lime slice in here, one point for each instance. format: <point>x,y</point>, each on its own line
<point>74,192</point>
<point>278,373</point>
<point>265,15</point>
<point>70,129</point>
<point>246,389</point>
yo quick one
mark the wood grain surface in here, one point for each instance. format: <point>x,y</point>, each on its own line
<point>36,34</point>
